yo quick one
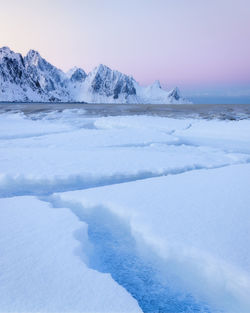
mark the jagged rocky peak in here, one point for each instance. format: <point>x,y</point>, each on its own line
<point>175,94</point>
<point>33,53</point>
<point>38,66</point>
<point>156,85</point>
<point>33,57</point>
<point>77,75</point>
<point>48,78</point>
<point>105,81</point>
<point>11,66</point>
<point>6,49</point>
<point>32,78</point>
<point>101,69</point>
<point>7,53</point>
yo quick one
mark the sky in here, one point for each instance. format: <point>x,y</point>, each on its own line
<point>201,46</point>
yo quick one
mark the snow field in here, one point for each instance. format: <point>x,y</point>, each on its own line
<point>41,268</point>
<point>81,153</point>
<point>195,243</point>
<point>123,208</point>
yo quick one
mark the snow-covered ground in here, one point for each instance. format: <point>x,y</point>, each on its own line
<point>123,214</point>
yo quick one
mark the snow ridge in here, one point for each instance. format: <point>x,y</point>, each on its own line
<point>33,79</point>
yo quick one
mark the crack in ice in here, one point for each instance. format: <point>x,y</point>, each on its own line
<point>24,186</point>
<point>132,264</point>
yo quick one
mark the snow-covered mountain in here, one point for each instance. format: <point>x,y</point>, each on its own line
<point>51,81</point>
<point>32,78</point>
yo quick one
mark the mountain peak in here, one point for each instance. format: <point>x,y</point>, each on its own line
<point>33,57</point>
<point>33,53</point>
<point>175,93</point>
<point>6,52</point>
<point>101,68</point>
<point>76,74</point>
<point>156,84</point>
<point>32,78</point>
<point>70,72</point>
<point>5,49</point>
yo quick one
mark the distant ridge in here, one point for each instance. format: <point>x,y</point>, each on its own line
<point>32,79</point>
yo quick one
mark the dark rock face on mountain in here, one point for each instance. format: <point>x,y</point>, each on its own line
<point>32,78</point>
<point>49,79</point>
<point>78,76</point>
<point>110,83</point>
<point>13,76</point>
<point>175,94</point>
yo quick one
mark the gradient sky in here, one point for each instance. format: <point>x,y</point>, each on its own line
<point>202,46</point>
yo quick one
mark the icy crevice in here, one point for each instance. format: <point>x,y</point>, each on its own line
<point>34,135</point>
<point>12,186</point>
<point>176,143</point>
<point>131,263</point>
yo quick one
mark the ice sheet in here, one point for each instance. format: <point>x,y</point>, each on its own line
<point>157,206</point>
<point>41,263</point>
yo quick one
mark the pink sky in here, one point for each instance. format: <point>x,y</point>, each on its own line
<point>189,43</point>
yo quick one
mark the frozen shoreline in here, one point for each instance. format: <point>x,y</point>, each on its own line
<point>204,111</point>
<point>114,209</point>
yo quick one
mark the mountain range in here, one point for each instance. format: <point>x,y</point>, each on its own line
<point>32,79</point>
